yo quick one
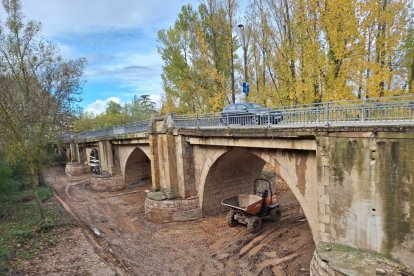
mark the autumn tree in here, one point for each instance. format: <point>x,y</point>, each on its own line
<point>408,58</point>
<point>39,91</point>
<point>320,50</point>
<point>199,53</point>
<point>298,52</point>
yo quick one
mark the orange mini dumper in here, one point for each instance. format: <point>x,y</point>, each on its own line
<point>251,209</point>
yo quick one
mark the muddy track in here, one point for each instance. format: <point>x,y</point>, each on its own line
<point>99,246</point>
<point>115,225</point>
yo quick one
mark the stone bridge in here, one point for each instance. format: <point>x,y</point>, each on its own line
<point>354,184</point>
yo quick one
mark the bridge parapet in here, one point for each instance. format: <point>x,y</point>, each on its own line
<point>386,111</point>
<point>372,112</point>
<point>111,132</point>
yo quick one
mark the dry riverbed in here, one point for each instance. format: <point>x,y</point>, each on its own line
<point>110,236</point>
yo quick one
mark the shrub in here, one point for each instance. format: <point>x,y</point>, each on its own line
<point>4,259</point>
<point>22,235</point>
<point>44,193</point>
<point>59,158</point>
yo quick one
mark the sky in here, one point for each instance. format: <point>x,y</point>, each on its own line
<point>118,39</point>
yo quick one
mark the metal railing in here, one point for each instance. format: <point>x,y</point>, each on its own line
<point>371,112</point>
<point>135,127</point>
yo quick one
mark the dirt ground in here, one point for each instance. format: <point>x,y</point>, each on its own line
<point>112,237</point>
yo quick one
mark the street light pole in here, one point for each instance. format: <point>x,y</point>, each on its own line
<point>241,26</point>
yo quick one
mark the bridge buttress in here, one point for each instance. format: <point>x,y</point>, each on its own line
<point>73,156</point>
<point>106,158</point>
<point>185,167</point>
<point>365,191</point>
<point>164,162</point>
<point>155,172</point>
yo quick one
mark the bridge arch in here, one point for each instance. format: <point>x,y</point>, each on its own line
<point>232,171</point>
<point>135,166</point>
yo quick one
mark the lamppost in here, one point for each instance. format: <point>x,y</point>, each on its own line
<point>246,81</point>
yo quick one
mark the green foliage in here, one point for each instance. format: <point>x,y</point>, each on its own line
<point>138,109</point>
<point>39,88</point>
<point>4,259</point>
<point>13,176</point>
<point>23,235</point>
<point>6,182</point>
<point>58,158</point>
<point>18,240</point>
<point>113,108</point>
<point>44,193</point>
<point>297,52</point>
<point>197,53</point>
<point>47,226</point>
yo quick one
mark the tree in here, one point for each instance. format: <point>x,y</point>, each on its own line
<point>39,91</point>
<point>298,52</point>
<point>198,54</point>
<point>113,108</point>
<point>408,61</point>
<point>140,108</point>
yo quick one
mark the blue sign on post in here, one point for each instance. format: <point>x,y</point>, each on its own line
<point>246,88</point>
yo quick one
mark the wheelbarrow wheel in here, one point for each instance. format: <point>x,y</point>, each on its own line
<point>230,218</point>
<point>254,224</point>
<point>275,214</point>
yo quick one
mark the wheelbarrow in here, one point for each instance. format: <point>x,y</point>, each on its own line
<point>252,209</point>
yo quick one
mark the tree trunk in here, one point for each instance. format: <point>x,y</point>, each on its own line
<point>411,78</point>
<point>233,85</point>
<point>33,182</point>
<point>40,176</point>
<point>382,27</point>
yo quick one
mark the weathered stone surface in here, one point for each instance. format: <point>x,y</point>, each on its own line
<point>354,184</point>
<point>318,267</point>
<point>172,210</point>
<point>346,260</point>
<point>74,168</point>
<point>156,196</point>
<point>107,183</point>
<point>367,195</point>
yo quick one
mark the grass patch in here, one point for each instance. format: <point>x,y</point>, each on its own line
<point>18,240</point>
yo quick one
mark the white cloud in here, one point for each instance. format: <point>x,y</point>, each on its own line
<point>157,99</point>
<point>117,37</point>
<point>99,106</point>
<point>63,16</point>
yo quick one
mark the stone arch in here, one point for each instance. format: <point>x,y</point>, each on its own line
<point>211,158</point>
<point>137,167</point>
<point>298,169</point>
<point>234,171</point>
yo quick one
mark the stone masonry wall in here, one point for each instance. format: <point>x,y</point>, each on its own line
<point>74,168</point>
<point>320,268</point>
<point>366,192</point>
<point>172,210</point>
<point>107,183</point>
<point>134,162</point>
<point>234,173</point>
<point>137,170</point>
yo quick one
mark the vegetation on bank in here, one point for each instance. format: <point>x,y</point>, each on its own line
<point>21,235</point>
<point>40,92</point>
<point>139,109</point>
